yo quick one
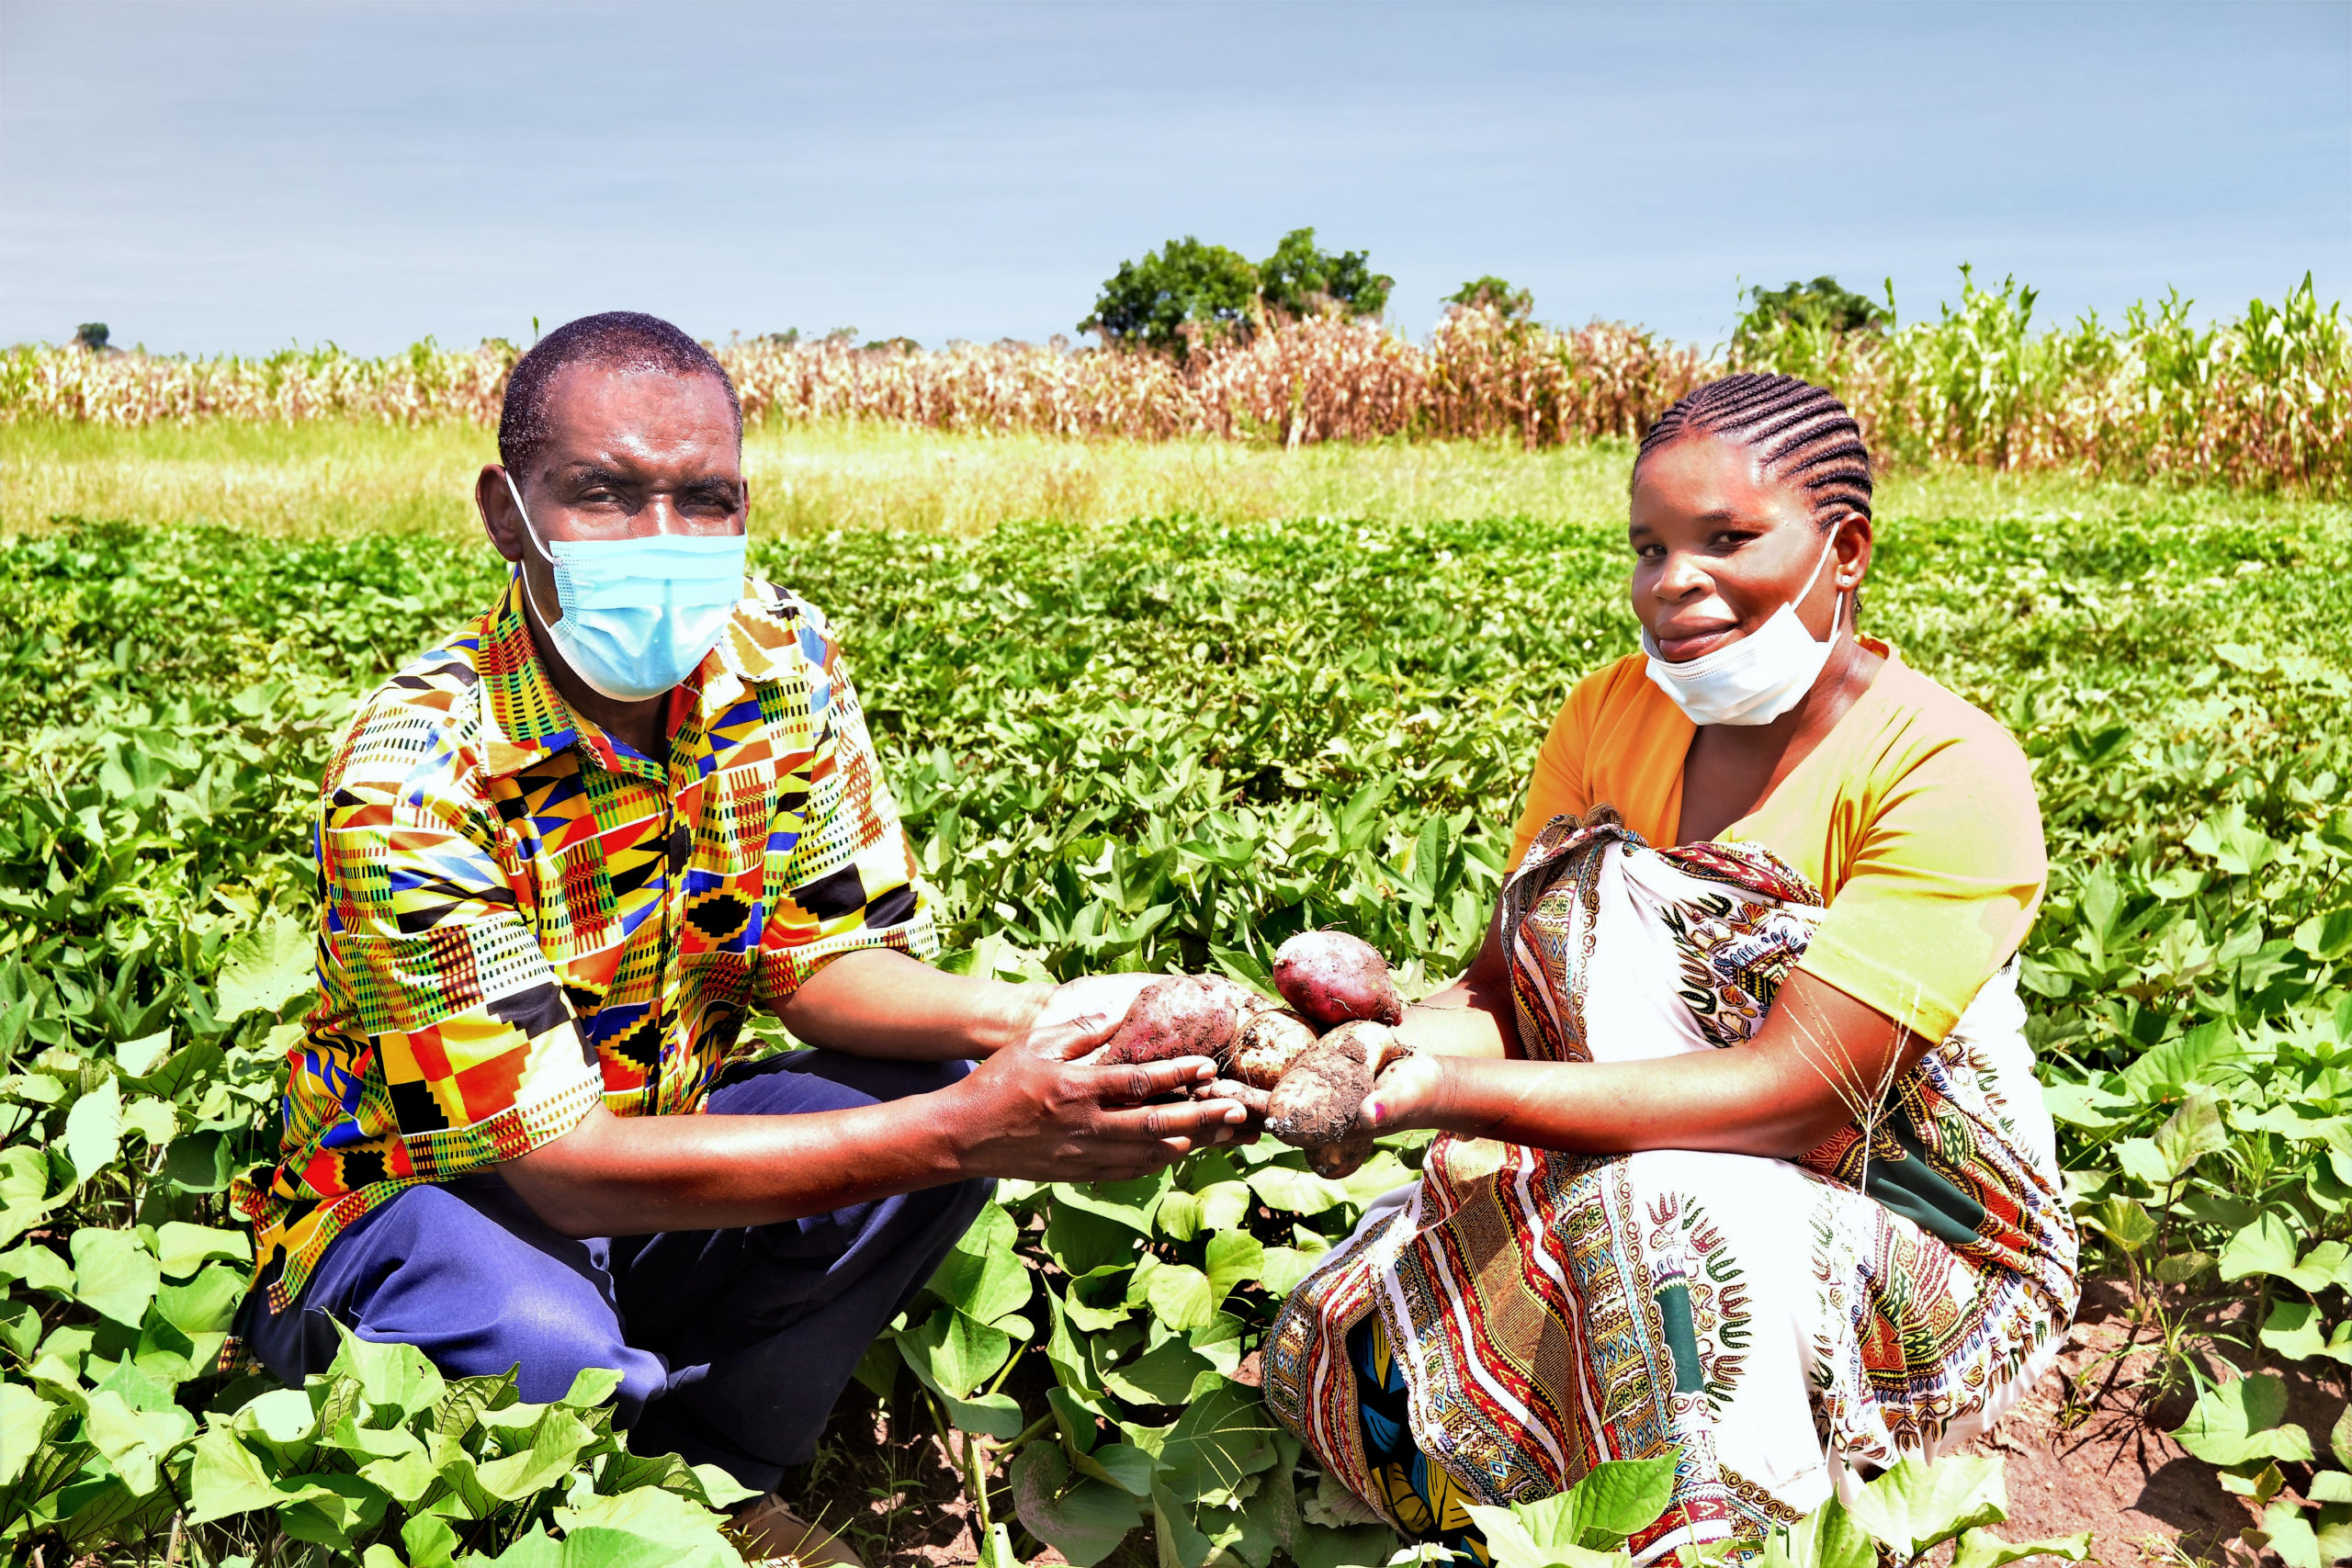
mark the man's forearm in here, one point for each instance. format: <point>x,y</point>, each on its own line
<point>1034,1110</point>
<point>881,1003</point>
<point>638,1175</point>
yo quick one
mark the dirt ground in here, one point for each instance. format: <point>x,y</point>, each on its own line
<point>2088,1449</point>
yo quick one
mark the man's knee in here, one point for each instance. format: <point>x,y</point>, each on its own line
<point>470,1276</point>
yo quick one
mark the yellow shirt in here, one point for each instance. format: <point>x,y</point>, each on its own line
<point>1915,817</point>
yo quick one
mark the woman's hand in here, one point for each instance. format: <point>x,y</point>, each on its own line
<point>1411,1095</point>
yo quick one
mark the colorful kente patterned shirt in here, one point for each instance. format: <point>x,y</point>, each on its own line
<point>520,914</point>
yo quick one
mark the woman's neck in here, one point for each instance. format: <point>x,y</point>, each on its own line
<point>1732,769</point>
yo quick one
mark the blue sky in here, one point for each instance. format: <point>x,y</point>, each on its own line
<point>209,178</point>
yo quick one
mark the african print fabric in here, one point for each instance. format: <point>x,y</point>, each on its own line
<point>1769,1321</point>
<point>1428,1503</point>
<point>521,914</point>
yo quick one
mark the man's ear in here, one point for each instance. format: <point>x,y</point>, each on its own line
<point>498,518</point>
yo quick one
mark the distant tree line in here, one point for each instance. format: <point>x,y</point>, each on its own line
<point>1187,290</point>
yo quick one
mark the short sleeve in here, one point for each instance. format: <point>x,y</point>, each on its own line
<point>1557,784</point>
<point>1941,884</point>
<point>423,953</point>
<point>840,871</point>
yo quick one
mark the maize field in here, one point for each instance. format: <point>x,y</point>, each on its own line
<point>2260,402</point>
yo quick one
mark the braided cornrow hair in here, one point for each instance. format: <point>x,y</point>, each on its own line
<point>1797,431</point>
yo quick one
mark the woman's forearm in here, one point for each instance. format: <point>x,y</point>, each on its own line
<point>1450,1024</point>
<point>1472,1016</point>
<point>1819,1058</point>
<point>1727,1100</point>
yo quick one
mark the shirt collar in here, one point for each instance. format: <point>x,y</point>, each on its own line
<point>528,719</point>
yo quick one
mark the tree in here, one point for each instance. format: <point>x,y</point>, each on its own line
<point>1148,303</point>
<point>1495,294</point>
<point>92,335</point>
<point>1821,304</point>
<point>1303,279</point>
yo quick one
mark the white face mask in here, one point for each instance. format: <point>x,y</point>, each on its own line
<point>1757,678</point>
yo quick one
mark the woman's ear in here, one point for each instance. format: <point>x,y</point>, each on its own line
<point>1852,548</point>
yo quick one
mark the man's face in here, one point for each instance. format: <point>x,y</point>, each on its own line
<point>629,454</point>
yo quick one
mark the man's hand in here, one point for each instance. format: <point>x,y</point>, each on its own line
<point>1037,1112</point>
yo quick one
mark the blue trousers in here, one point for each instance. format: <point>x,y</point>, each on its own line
<point>733,1345</point>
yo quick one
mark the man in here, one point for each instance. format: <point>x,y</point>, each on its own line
<point>559,860</point>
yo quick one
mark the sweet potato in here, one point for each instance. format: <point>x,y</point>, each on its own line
<point>1331,978</point>
<point>1342,1159</point>
<point>1269,1043</point>
<point>1245,1002</point>
<point>1317,1100</point>
<point>1171,1018</point>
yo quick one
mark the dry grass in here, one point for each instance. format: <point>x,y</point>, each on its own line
<point>2261,402</point>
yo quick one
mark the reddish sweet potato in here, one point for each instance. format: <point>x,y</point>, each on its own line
<point>1317,1100</point>
<point>1171,1018</point>
<point>1244,1002</point>
<point>1269,1043</point>
<point>1332,979</point>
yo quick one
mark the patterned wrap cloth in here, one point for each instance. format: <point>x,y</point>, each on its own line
<point>522,916</point>
<point>1772,1321</point>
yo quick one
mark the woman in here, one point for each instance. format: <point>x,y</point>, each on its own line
<point>1743,1157</point>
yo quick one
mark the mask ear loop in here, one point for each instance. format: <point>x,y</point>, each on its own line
<point>545,555</point>
<point>1837,606</point>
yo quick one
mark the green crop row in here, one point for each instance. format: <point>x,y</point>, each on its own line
<point>1157,745</point>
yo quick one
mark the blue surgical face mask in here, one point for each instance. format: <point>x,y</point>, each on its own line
<point>637,614</point>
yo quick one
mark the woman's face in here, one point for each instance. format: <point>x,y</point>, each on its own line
<point>1719,547</point>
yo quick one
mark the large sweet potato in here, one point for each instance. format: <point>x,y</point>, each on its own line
<point>1331,978</point>
<point>1317,1101</point>
<point>1269,1043</point>
<point>1245,1002</point>
<point>1175,1017</point>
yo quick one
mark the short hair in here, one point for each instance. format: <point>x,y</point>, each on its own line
<point>1798,432</point>
<point>614,339</point>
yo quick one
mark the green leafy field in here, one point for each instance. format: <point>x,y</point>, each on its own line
<point>1163,743</point>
